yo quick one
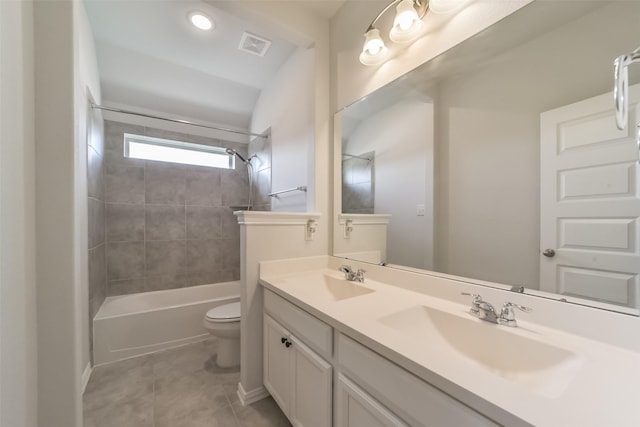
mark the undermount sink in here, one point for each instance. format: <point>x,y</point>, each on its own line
<point>332,288</point>
<point>540,367</point>
<point>339,289</point>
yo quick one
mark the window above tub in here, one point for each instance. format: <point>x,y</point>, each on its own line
<point>166,150</point>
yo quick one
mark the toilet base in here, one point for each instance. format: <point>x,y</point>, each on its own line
<point>228,352</point>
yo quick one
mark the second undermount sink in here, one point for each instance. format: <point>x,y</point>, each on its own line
<point>542,368</point>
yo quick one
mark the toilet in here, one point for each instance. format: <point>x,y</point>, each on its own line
<point>223,322</point>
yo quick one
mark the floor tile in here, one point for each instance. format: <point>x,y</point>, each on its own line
<point>130,413</point>
<point>264,413</point>
<point>180,387</point>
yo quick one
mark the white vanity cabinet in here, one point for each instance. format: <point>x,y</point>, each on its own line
<point>370,390</point>
<point>297,376</point>
<point>356,408</point>
<point>392,389</point>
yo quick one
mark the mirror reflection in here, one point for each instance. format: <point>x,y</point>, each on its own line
<point>500,160</point>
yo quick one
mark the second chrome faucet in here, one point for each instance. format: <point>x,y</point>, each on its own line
<point>486,311</point>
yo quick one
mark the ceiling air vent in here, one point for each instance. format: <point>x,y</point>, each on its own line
<point>253,44</point>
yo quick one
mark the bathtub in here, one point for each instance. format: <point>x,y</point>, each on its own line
<point>136,324</point>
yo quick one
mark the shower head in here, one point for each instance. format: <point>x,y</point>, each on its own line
<point>232,152</point>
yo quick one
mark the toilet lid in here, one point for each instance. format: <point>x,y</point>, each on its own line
<point>225,313</point>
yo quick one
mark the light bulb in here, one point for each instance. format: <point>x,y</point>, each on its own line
<point>406,24</point>
<point>373,51</point>
<point>200,21</point>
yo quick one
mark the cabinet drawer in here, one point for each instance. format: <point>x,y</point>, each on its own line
<point>313,332</point>
<point>412,399</point>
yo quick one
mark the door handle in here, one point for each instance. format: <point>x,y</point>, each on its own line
<point>549,253</point>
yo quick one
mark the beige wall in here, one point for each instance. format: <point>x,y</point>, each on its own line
<point>285,107</point>
<point>18,340</point>
<point>351,80</point>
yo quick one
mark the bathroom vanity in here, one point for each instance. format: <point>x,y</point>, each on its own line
<point>402,349</point>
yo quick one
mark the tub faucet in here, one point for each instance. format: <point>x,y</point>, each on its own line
<point>351,275</point>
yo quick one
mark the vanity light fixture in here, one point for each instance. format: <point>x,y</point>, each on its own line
<point>406,27</point>
<point>201,21</point>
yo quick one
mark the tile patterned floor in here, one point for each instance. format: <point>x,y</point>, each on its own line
<point>180,387</point>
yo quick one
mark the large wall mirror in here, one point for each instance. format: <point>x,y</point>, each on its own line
<point>500,161</point>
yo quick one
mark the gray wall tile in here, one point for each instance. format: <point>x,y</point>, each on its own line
<point>234,188</point>
<point>160,283</point>
<point>97,278</point>
<point>124,184</point>
<point>229,253</point>
<point>123,287</point>
<point>179,136</point>
<point>125,222</point>
<point>125,260</point>
<point>165,258</point>
<point>96,222</point>
<point>203,222</point>
<point>174,218</point>
<point>165,222</point>
<point>165,185</point>
<point>203,187</point>
<point>203,256</point>
<point>229,227</point>
<point>114,143</point>
<point>95,174</point>
<point>262,187</point>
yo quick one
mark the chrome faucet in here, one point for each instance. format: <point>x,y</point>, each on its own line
<point>482,309</point>
<point>349,274</point>
<point>508,316</point>
<point>486,311</point>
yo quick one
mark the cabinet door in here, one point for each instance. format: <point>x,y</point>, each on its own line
<point>311,382</point>
<point>357,409</point>
<point>277,363</point>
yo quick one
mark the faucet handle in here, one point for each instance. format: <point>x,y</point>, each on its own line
<point>476,299</point>
<point>360,275</point>
<point>508,316</point>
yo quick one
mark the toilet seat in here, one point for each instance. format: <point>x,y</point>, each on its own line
<point>224,313</point>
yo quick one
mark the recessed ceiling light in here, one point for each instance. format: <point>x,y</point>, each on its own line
<point>201,21</point>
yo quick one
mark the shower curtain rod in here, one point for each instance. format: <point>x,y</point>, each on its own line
<point>184,122</point>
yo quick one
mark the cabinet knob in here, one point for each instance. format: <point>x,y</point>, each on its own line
<point>288,344</point>
<point>283,340</point>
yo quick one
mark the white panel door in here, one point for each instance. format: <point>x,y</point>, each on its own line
<point>357,409</point>
<point>277,363</point>
<point>311,388</point>
<point>590,202</point>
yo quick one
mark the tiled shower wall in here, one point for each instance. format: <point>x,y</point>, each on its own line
<point>169,225</point>
<point>260,151</point>
<point>358,184</point>
<point>96,220</point>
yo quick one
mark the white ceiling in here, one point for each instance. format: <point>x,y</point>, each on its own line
<point>150,57</point>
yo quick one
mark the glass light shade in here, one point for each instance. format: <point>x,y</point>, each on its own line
<point>374,51</point>
<point>201,21</point>
<point>406,24</point>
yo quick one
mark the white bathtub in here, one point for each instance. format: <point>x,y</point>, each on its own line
<point>131,325</point>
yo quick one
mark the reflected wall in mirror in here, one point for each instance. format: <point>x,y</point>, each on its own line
<point>499,149</point>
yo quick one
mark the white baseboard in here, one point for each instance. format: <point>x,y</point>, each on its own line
<point>251,396</point>
<point>86,374</point>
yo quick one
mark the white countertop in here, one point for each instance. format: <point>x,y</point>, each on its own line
<point>602,388</point>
